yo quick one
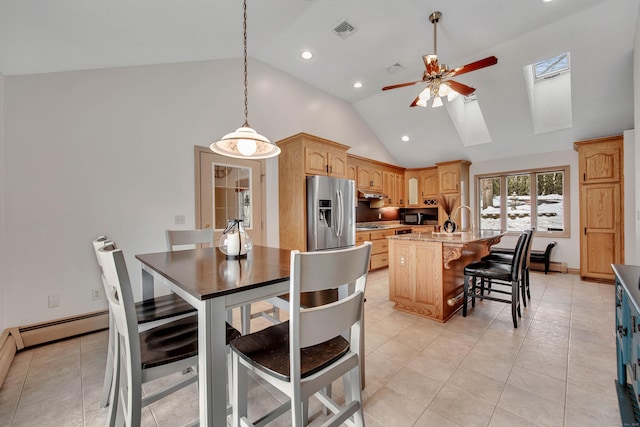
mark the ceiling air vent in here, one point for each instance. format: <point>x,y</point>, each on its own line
<point>394,68</point>
<point>344,29</point>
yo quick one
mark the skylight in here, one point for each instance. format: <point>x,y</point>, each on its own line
<point>551,66</point>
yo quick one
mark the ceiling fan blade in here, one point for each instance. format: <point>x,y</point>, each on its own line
<point>415,101</point>
<point>486,62</point>
<point>402,85</point>
<point>460,88</point>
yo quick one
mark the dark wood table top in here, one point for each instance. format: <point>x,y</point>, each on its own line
<point>206,273</point>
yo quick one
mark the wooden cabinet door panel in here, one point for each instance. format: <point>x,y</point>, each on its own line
<point>429,296</point>
<point>364,178</point>
<point>400,285</point>
<point>400,195</point>
<point>429,183</point>
<point>337,164</point>
<point>315,161</point>
<point>601,164</point>
<point>376,179</point>
<point>449,181</point>
<point>600,219</point>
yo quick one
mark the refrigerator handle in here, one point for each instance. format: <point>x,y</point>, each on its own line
<point>340,214</point>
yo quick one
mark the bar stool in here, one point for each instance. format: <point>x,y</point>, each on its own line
<point>505,276</point>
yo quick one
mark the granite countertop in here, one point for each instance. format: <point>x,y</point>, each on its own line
<point>457,237</point>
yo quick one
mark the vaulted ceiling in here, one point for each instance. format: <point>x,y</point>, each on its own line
<point>40,37</point>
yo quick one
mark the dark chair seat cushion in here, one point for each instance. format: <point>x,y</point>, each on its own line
<point>268,350</point>
<point>162,307</point>
<point>502,258</point>
<point>173,341</point>
<point>489,270</point>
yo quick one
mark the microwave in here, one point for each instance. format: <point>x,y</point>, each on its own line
<point>413,218</point>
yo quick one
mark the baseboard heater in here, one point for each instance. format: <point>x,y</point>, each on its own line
<point>21,337</point>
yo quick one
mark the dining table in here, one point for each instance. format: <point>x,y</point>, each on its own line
<point>213,284</point>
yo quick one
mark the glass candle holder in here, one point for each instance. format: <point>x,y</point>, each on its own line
<point>235,242</point>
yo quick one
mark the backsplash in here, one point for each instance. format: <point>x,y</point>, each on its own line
<point>364,213</point>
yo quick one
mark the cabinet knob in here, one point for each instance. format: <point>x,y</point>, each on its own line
<point>622,331</point>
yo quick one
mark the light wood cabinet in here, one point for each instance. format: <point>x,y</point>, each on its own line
<point>393,188</point>
<point>601,206</point>
<point>321,157</point>
<point>379,246</point>
<point>370,178</point>
<point>429,183</point>
<point>325,160</point>
<point>412,188</point>
<point>453,180</point>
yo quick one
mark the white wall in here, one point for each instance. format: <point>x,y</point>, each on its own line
<point>568,248</point>
<point>3,286</point>
<point>111,152</point>
<point>636,120</point>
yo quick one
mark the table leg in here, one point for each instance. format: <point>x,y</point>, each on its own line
<point>147,284</point>
<point>212,364</point>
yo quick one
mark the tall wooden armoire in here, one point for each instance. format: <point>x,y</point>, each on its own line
<point>600,172</point>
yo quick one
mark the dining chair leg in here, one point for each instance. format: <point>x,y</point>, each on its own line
<point>108,370</point>
<point>239,391</point>
<point>246,318</point>
<point>515,307</point>
<point>473,291</point>
<point>465,295</point>
<point>114,395</point>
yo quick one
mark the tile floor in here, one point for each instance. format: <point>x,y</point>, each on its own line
<point>556,369</point>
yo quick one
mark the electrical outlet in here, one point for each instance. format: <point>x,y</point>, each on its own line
<point>179,219</point>
<point>54,301</point>
<point>95,294</point>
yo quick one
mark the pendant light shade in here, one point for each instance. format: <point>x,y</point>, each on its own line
<point>245,142</point>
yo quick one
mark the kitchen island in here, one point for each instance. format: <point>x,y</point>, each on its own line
<point>426,270</point>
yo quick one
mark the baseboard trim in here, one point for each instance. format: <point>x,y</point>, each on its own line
<point>558,267</point>
<point>14,339</point>
<point>8,351</point>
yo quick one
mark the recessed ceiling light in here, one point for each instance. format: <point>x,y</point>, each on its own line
<point>547,1</point>
<point>357,85</point>
<point>306,54</point>
<point>405,138</point>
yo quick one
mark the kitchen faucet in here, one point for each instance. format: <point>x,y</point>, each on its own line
<point>455,215</point>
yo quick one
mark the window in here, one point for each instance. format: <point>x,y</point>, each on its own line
<point>515,201</point>
<point>232,195</point>
<point>551,66</point>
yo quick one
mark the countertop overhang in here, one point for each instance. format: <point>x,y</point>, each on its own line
<point>458,237</point>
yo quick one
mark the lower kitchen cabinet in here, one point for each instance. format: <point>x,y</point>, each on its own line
<point>379,245</point>
<point>627,299</point>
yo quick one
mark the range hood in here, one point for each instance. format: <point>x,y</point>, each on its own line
<point>368,195</point>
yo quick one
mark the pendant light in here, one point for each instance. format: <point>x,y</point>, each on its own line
<point>245,142</point>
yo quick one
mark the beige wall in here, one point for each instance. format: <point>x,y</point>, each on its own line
<point>3,307</point>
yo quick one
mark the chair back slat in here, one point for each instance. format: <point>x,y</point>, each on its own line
<point>120,296</point>
<point>189,237</point>
<point>316,271</point>
<point>526,261</point>
<point>516,262</point>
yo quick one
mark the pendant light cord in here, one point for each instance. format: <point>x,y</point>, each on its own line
<point>246,90</point>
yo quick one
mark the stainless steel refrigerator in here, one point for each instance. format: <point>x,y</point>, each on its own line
<point>331,213</point>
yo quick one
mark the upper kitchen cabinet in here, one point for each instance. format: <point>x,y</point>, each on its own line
<point>321,156</point>
<point>429,183</point>
<point>454,184</point>
<point>601,206</point>
<point>453,176</point>
<point>412,190</point>
<point>369,173</point>
<point>393,187</point>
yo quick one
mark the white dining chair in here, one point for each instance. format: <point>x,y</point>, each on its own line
<point>303,356</point>
<point>149,313</point>
<point>140,357</point>
<point>181,239</point>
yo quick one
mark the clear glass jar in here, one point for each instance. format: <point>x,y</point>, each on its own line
<point>235,242</point>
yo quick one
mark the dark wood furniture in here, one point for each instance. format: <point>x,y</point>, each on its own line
<point>213,284</point>
<point>537,256</point>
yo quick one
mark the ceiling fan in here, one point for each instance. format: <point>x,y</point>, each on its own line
<point>437,75</point>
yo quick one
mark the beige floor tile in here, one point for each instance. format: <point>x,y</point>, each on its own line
<point>67,385</point>
<point>543,385</point>
<point>415,386</point>
<point>380,368</point>
<point>391,408</point>
<point>492,362</point>
<point>431,419</point>
<point>528,405</point>
<point>599,405</point>
<point>544,358</point>
<point>398,351</point>
<point>483,386</point>
<point>503,418</point>
<point>461,407</point>
<point>53,411</point>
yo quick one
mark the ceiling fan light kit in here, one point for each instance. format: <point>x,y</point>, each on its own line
<point>437,75</point>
